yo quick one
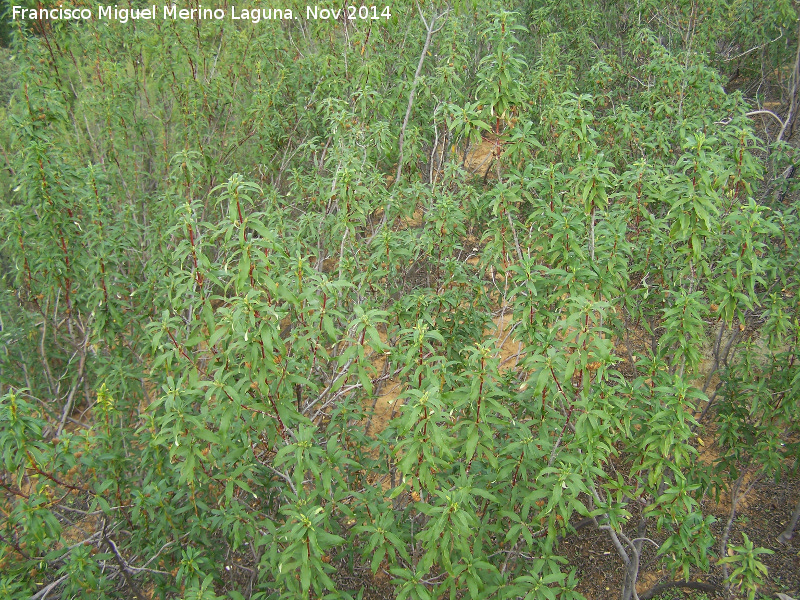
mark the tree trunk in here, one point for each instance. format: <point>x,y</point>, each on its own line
<point>789,531</point>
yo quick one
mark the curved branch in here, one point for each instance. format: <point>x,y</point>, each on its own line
<point>764,112</point>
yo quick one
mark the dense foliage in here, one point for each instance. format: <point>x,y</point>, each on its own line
<point>222,242</point>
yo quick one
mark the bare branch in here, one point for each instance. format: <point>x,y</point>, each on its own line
<point>793,96</point>
<point>43,593</point>
<point>764,112</point>
<point>124,569</point>
<point>754,48</point>
<point>429,31</point>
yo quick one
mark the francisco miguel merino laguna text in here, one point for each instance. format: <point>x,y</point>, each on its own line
<point>254,15</point>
